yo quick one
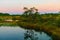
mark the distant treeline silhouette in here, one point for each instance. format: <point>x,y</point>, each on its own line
<point>3,14</point>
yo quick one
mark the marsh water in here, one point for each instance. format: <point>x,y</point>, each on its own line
<point>18,33</point>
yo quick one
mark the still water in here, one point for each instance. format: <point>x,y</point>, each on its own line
<point>17,33</point>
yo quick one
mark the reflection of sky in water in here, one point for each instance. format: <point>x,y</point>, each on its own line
<point>42,36</point>
<point>17,33</point>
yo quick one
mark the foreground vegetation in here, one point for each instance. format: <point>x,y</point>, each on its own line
<point>49,23</point>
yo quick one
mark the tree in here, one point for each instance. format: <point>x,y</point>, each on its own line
<point>25,11</point>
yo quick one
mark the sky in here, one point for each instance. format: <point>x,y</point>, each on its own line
<point>16,6</point>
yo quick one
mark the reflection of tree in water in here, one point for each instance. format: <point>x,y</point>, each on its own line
<point>29,35</point>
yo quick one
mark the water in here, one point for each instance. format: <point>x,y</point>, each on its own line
<point>17,33</point>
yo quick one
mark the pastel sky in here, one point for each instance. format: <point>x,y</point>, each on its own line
<point>17,5</point>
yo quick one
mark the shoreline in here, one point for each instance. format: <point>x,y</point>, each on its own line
<point>50,31</point>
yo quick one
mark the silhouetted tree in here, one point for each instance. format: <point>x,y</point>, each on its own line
<point>25,11</point>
